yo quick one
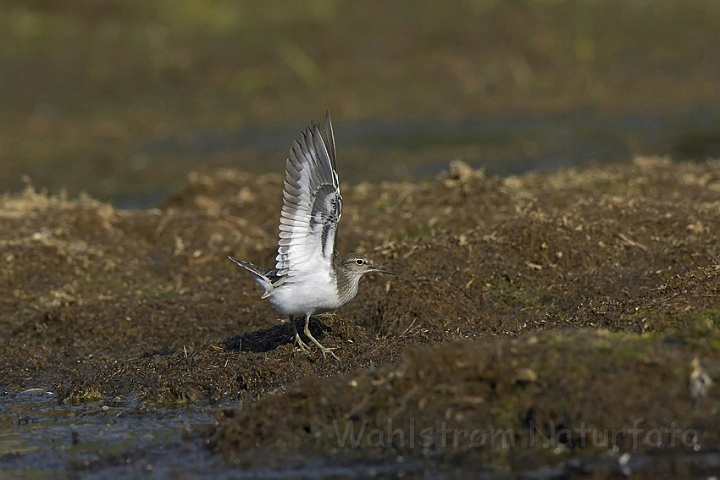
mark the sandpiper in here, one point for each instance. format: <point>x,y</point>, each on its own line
<point>310,277</point>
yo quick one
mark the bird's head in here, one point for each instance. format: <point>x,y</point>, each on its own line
<point>358,265</point>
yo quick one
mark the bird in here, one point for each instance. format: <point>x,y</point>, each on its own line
<point>310,277</point>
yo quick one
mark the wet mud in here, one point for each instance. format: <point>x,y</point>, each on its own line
<point>562,324</point>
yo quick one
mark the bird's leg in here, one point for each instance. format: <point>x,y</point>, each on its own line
<point>298,341</point>
<point>324,350</point>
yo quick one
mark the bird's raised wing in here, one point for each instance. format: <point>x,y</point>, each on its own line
<point>311,204</point>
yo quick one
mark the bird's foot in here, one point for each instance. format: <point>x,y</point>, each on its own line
<point>324,350</point>
<point>301,345</point>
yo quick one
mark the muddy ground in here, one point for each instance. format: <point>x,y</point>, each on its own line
<point>566,322</point>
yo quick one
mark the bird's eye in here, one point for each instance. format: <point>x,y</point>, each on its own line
<point>359,261</point>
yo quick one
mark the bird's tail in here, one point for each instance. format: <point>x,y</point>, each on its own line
<point>260,274</point>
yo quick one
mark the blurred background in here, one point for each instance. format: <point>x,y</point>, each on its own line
<point>121,98</point>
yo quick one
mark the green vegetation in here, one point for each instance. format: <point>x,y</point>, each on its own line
<point>84,82</point>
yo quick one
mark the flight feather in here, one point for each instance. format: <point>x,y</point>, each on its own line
<point>311,203</point>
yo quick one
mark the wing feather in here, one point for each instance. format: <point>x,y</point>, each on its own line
<point>311,203</point>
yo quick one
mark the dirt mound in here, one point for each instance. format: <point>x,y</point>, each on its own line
<point>498,401</point>
<point>102,303</point>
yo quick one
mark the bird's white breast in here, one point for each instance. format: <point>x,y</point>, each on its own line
<point>306,295</point>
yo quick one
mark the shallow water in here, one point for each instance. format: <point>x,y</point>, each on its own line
<point>392,150</point>
<point>41,438</point>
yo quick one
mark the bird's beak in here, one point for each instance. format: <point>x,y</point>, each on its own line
<point>381,268</point>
